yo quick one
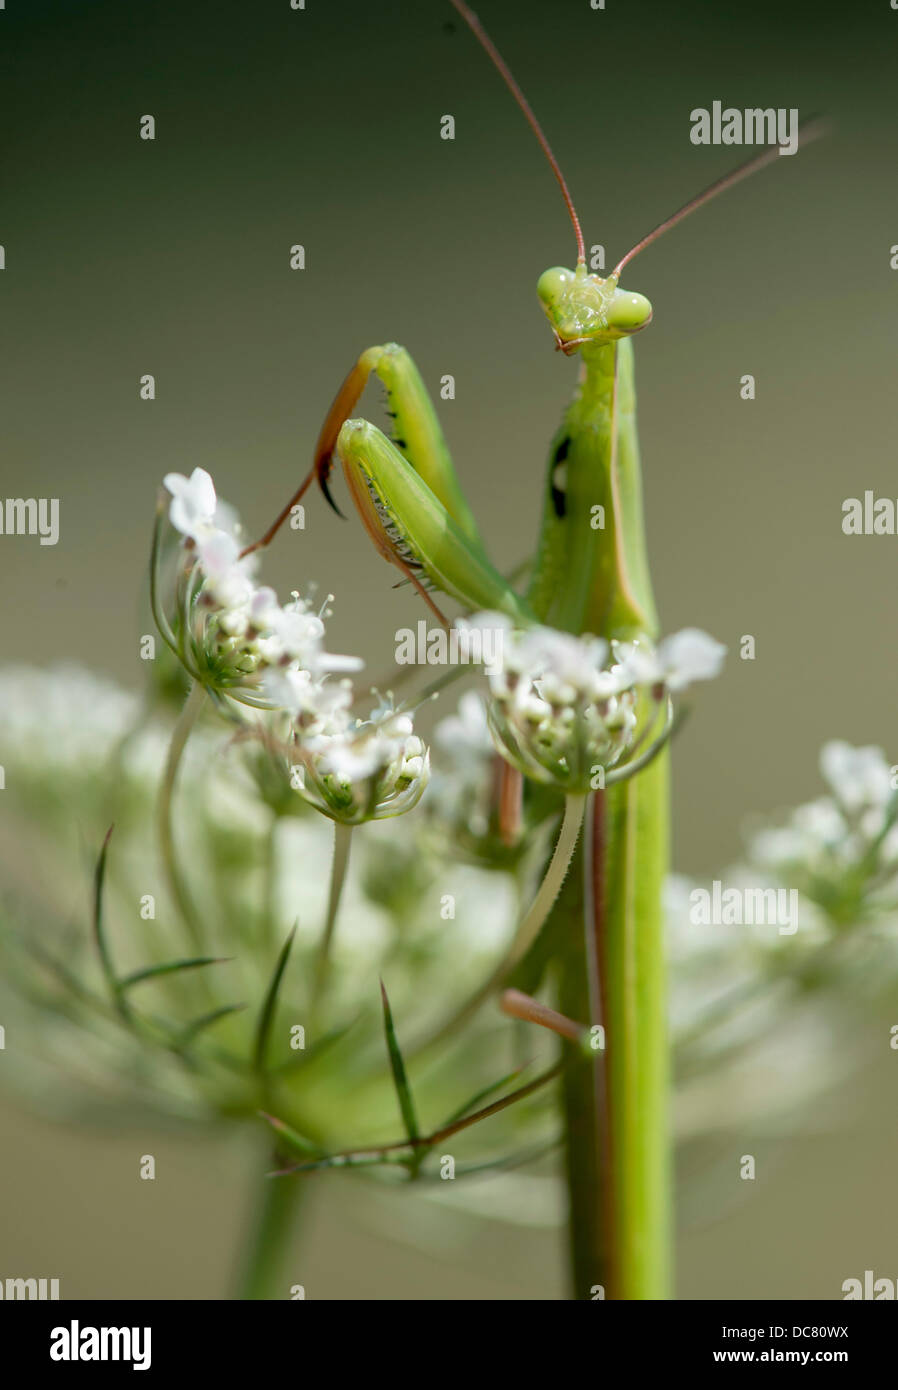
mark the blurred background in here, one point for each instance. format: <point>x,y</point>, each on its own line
<point>171,257</point>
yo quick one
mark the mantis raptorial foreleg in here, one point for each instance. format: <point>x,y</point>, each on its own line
<point>411,527</point>
<point>405,490</point>
<point>417,435</point>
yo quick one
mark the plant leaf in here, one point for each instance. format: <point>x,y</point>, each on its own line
<point>149,972</point>
<point>266,1017</point>
<point>100,930</point>
<point>292,1136</point>
<point>205,1021</point>
<point>400,1080</point>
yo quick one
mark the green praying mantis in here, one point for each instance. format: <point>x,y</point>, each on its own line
<point>605,931</point>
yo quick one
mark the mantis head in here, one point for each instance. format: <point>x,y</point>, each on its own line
<point>584,309</point>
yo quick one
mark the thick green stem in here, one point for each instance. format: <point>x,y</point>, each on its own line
<point>616,1107</point>
<point>262,1274</point>
<point>176,883</point>
<point>636,1034</point>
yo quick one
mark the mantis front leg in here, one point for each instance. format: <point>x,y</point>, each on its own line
<point>411,527</point>
<point>405,489</point>
<point>418,436</point>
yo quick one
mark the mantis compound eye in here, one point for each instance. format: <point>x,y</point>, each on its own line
<point>629,312</point>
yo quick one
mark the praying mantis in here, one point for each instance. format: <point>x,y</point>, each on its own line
<point>606,929</point>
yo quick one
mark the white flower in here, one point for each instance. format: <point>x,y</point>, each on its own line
<point>481,639</point>
<point>859,777</point>
<point>466,734</point>
<point>192,510</point>
<point>232,634</point>
<point>820,820</point>
<point>315,705</point>
<point>228,579</point>
<point>264,608</point>
<point>684,657</point>
<point>362,769</point>
<point>62,718</point>
<point>294,634</point>
<point>778,845</point>
<point>562,668</point>
<point>558,710</point>
<point>564,706</point>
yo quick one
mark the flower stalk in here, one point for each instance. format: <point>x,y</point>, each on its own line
<point>173,872</point>
<point>270,1231</point>
<point>339,867</point>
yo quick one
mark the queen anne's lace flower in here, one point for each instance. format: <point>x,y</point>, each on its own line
<point>840,851</point>
<point>860,778</point>
<point>235,637</point>
<point>565,706</point>
<point>358,769</point>
<point>232,633</point>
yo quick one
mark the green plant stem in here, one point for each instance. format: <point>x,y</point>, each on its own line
<point>617,1151</point>
<point>176,883</point>
<point>637,1052</point>
<point>276,1202</point>
<point>339,866</point>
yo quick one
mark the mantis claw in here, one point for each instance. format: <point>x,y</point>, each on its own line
<point>323,475</point>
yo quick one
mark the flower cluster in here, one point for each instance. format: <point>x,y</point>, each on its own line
<point>234,631</point>
<point>564,706</point>
<point>358,769</point>
<point>841,850</point>
<point>235,637</point>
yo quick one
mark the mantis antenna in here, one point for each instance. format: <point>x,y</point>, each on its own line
<point>811,129</point>
<point>505,73</point>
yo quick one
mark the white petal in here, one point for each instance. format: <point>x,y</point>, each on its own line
<point>858,776</point>
<point>690,655</point>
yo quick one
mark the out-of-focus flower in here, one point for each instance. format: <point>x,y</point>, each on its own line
<point>840,851</point>
<point>466,735</point>
<point>860,778</point>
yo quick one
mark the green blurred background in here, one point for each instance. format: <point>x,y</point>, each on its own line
<point>321,127</point>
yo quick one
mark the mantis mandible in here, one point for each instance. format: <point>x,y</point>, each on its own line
<point>607,926</point>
